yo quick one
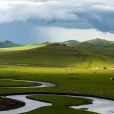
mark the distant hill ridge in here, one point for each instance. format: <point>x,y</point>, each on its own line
<point>100,43</point>
<point>94,42</point>
<point>7,44</point>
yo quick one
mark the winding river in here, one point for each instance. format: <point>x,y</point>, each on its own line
<point>101,106</point>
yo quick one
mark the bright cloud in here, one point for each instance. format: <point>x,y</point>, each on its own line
<point>66,19</point>
<point>62,34</point>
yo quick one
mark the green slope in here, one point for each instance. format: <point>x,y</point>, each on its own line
<point>26,47</point>
<point>59,55</point>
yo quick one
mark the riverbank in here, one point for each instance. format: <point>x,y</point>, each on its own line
<point>9,104</point>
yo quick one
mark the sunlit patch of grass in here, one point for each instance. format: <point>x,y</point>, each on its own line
<point>27,47</point>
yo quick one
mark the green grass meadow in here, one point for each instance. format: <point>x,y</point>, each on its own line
<point>68,80</point>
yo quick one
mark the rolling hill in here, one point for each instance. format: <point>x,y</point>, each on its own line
<point>60,55</point>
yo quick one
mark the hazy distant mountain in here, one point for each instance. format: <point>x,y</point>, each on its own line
<point>99,42</point>
<point>94,42</point>
<point>7,44</point>
<point>45,43</point>
<point>71,43</point>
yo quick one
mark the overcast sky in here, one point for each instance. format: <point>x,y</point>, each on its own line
<point>30,21</point>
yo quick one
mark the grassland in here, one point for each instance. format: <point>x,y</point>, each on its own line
<point>70,68</point>
<point>68,80</point>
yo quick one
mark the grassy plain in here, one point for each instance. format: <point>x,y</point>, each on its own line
<point>68,80</point>
<point>70,68</point>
